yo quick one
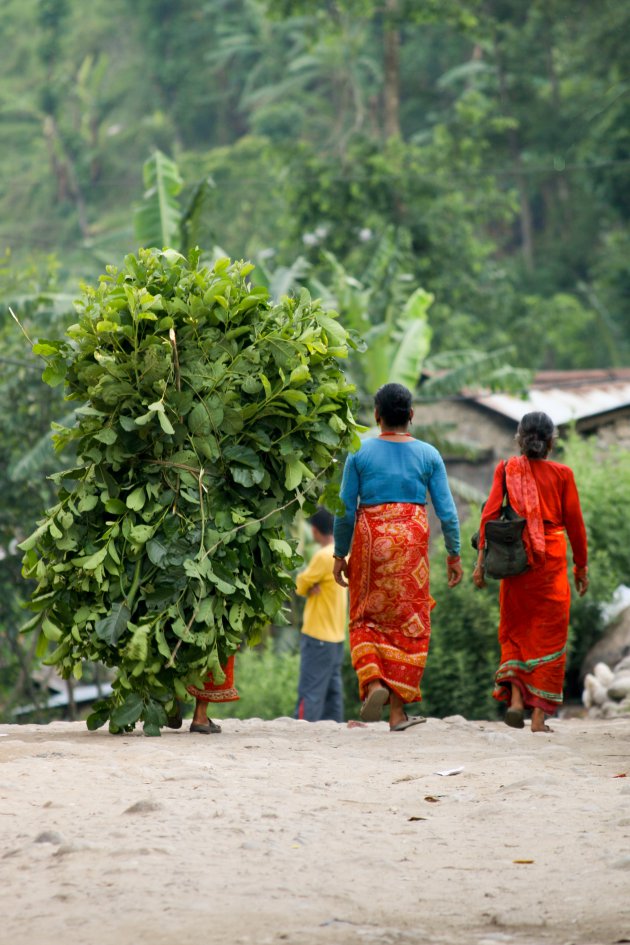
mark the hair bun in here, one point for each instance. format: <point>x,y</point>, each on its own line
<point>535,434</point>
<point>534,446</point>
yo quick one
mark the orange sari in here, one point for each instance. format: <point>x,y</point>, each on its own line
<point>390,604</point>
<point>222,692</point>
<point>534,621</point>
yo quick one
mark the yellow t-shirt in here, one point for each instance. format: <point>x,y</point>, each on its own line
<point>325,612</point>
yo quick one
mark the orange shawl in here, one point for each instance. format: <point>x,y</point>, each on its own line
<point>523,496</point>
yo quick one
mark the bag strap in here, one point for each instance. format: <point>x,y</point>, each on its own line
<point>505,504</point>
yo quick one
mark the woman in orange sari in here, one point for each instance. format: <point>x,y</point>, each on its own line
<point>385,488</point>
<point>534,605</point>
<point>211,693</point>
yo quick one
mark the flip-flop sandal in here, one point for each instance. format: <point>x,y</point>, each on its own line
<point>372,708</point>
<point>408,723</point>
<point>175,721</point>
<point>211,728</point>
<point>515,718</point>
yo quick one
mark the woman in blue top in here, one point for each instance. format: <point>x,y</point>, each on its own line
<point>384,489</point>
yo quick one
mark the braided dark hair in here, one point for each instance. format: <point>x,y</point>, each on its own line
<point>535,435</point>
<point>393,404</point>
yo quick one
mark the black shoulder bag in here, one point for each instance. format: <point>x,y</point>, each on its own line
<point>504,554</point>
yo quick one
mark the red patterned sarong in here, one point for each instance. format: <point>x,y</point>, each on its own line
<point>390,604</point>
<point>533,629</point>
<point>223,692</point>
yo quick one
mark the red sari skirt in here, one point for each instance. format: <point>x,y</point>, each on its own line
<point>390,604</point>
<point>218,692</point>
<point>533,629</point>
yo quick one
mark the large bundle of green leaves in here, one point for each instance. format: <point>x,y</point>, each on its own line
<point>209,415</point>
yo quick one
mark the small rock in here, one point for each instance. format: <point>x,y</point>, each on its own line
<point>623,666</point>
<point>49,836</point>
<point>603,674</point>
<point>619,688</point>
<point>621,864</point>
<point>594,691</point>
<point>142,807</point>
<point>609,710</point>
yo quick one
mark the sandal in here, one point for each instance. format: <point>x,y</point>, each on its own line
<point>372,707</point>
<point>210,728</point>
<point>515,718</point>
<point>175,720</point>
<point>408,723</point>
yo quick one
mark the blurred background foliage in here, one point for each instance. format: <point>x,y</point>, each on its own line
<point>452,175</point>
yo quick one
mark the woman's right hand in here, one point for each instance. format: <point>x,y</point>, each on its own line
<point>479,578</point>
<point>340,571</point>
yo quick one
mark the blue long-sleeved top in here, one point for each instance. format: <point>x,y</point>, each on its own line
<point>395,471</point>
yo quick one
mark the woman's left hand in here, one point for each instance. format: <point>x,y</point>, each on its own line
<point>340,571</point>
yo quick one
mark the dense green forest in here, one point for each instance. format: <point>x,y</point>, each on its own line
<point>491,137</point>
<point>464,162</point>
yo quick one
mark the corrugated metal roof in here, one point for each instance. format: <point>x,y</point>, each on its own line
<point>566,395</point>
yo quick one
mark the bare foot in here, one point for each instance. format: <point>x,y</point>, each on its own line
<point>538,722</point>
<point>516,701</point>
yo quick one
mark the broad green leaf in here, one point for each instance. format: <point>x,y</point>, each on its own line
<point>293,474</point>
<point>141,533</point>
<point>110,628</point>
<point>107,436</point>
<point>335,332</point>
<point>51,631</point>
<point>157,552</point>
<point>129,712</point>
<point>158,217</point>
<point>282,547</point>
<point>115,506</point>
<point>91,562</point>
<point>55,373</point>
<point>165,423</point>
<point>300,374</point>
<point>199,421</point>
<point>136,499</point>
<point>145,418</point>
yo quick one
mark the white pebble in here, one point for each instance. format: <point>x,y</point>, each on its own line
<point>603,674</point>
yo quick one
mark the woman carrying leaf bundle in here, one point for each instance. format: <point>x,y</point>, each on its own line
<point>535,604</point>
<point>384,489</point>
<point>199,404</point>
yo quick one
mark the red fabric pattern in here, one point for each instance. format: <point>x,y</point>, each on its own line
<point>390,604</point>
<point>533,629</point>
<point>222,692</point>
<point>559,503</point>
<point>523,493</point>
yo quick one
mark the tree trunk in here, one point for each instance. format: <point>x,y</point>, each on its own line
<point>391,63</point>
<point>63,168</point>
<point>525,214</point>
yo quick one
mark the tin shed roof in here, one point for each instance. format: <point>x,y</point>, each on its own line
<point>567,396</point>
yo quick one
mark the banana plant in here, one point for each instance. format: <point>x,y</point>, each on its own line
<point>158,217</point>
<point>393,319</point>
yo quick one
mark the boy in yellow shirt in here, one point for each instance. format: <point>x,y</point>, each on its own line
<point>320,690</point>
